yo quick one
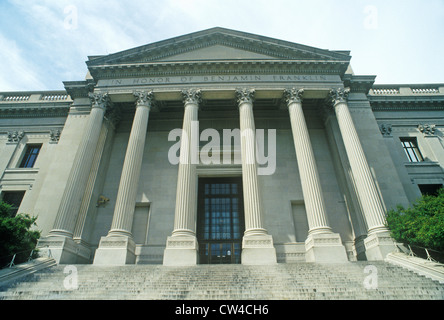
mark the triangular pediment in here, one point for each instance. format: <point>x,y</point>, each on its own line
<point>217,52</point>
<point>218,44</point>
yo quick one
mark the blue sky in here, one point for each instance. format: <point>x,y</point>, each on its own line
<point>45,42</point>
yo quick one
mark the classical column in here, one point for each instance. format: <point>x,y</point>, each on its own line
<point>321,244</point>
<point>378,243</point>
<point>118,247</point>
<point>182,247</point>
<point>257,244</point>
<point>126,196</point>
<point>106,133</point>
<point>65,251</point>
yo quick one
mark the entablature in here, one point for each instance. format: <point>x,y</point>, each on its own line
<point>407,97</point>
<point>219,67</point>
<point>34,104</point>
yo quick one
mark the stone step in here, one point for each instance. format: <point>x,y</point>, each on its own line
<point>235,282</point>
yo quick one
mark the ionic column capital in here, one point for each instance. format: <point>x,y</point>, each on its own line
<point>339,95</point>
<point>293,95</point>
<point>193,96</point>
<point>245,95</point>
<point>144,98</point>
<point>99,100</point>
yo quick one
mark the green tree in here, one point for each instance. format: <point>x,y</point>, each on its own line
<point>422,224</point>
<point>16,235</point>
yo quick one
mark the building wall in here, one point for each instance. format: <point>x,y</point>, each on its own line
<point>283,203</point>
<point>413,174</point>
<point>281,192</point>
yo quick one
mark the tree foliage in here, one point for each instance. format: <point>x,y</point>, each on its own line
<point>422,224</point>
<point>16,235</point>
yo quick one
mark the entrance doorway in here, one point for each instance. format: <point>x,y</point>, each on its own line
<point>220,223</point>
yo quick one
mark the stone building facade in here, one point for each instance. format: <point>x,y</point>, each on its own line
<point>219,147</point>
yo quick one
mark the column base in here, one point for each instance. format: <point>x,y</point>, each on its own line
<point>181,251</point>
<point>258,250</point>
<point>115,251</point>
<point>360,247</point>
<point>325,247</point>
<point>64,250</point>
<point>378,246</point>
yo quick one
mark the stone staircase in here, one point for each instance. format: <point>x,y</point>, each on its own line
<point>305,281</point>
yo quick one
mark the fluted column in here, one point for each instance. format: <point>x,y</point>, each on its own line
<point>72,197</point>
<point>368,194</point>
<point>252,201</point>
<point>372,205</point>
<point>257,244</point>
<point>118,247</point>
<point>181,248</point>
<point>311,184</point>
<point>186,194</point>
<point>322,245</point>
<point>126,196</point>
<point>60,243</point>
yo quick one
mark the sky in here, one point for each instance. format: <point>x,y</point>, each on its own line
<point>46,42</point>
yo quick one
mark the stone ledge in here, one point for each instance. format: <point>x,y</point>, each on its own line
<point>432,270</point>
<point>23,269</point>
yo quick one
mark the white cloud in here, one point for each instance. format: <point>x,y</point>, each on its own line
<point>50,52</point>
<point>17,73</point>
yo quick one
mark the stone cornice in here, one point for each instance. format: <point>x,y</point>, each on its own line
<point>410,90</point>
<point>79,89</point>
<point>358,83</point>
<point>16,97</point>
<point>218,67</point>
<point>28,104</point>
<point>278,49</point>
<point>34,111</point>
<point>279,57</point>
<point>406,104</point>
<point>404,97</point>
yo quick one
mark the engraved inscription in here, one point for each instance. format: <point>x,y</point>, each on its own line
<point>246,78</point>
